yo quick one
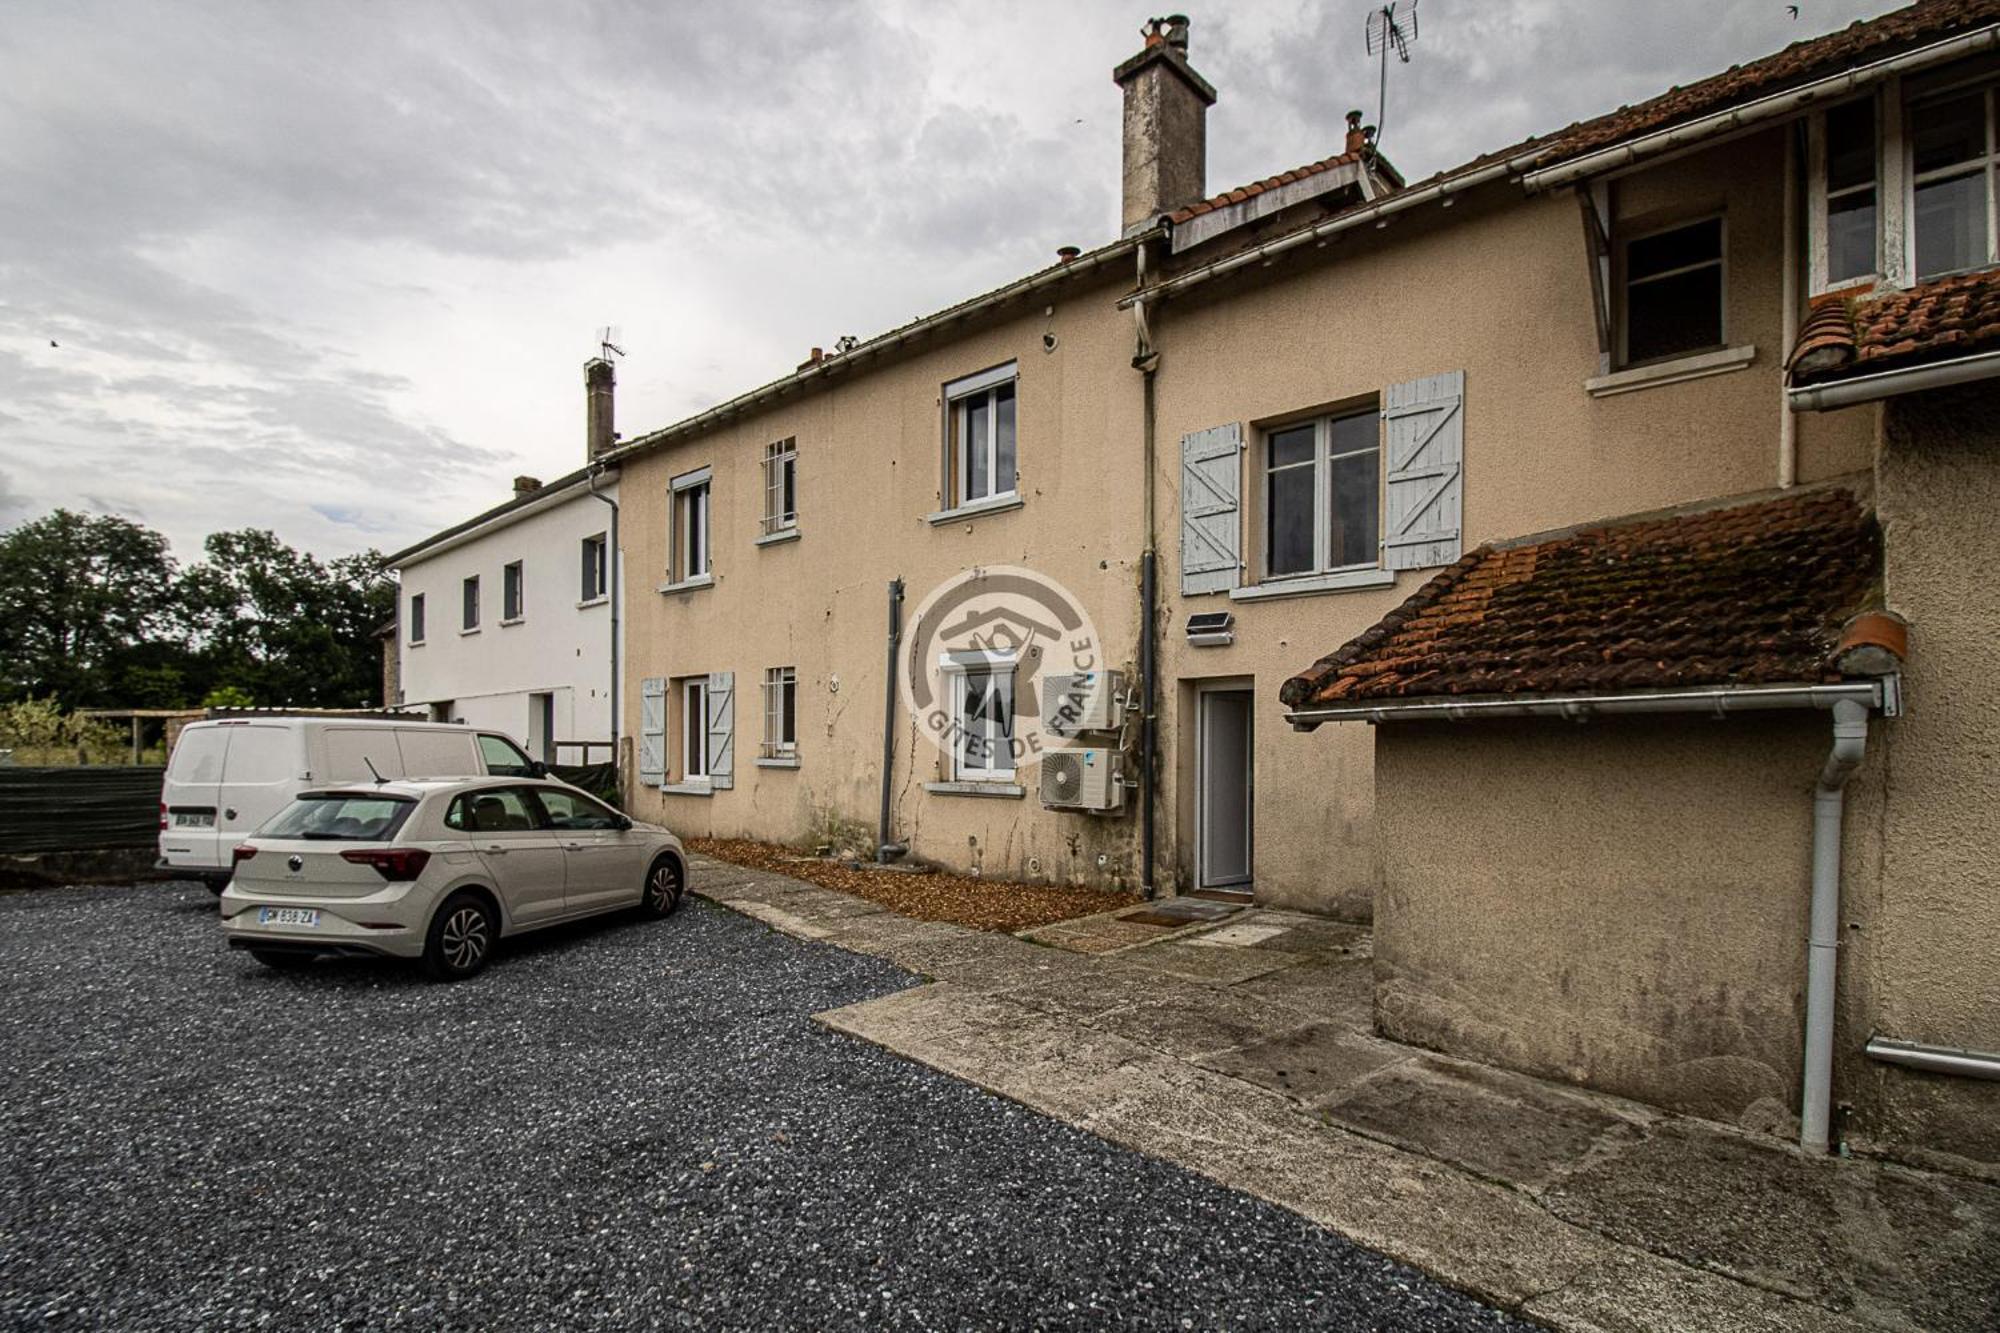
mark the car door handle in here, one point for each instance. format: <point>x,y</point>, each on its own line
<point>494,849</point>
<point>573,846</point>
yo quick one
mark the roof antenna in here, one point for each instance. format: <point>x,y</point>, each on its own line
<point>379,779</point>
<point>607,342</point>
<point>1390,31</point>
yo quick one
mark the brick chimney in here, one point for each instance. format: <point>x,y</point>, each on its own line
<point>598,383</point>
<point>522,485</point>
<point>1166,125</point>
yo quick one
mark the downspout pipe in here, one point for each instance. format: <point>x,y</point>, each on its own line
<point>1935,1059</point>
<point>1147,361</point>
<point>885,850</point>
<point>1850,742</point>
<point>611,557</point>
<point>1788,422</point>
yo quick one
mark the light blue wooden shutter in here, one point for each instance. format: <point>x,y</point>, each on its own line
<point>652,731</point>
<point>1425,428</point>
<point>721,728</point>
<point>1211,526</point>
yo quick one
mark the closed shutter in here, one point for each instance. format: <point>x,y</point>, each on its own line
<point>1211,530</point>
<point>1425,422</point>
<point>721,728</point>
<point>652,731</point>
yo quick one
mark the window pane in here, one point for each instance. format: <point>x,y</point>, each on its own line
<point>1355,491</point>
<point>502,759</point>
<point>472,603</point>
<point>788,731</point>
<point>695,725</point>
<point>1951,224</point>
<point>1850,235</point>
<point>1360,431</point>
<point>341,818</point>
<point>977,472</point>
<point>1289,504</point>
<point>417,618</point>
<point>500,811</point>
<point>1946,133</point>
<point>1003,439</point>
<point>1850,145</point>
<point>790,498</point>
<point>1677,314</point>
<point>1674,249</point>
<point>1292,446</point>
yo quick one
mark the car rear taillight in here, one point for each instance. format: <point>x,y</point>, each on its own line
<point>392,863</point>
<point>243,853</point>
<point>163,816</point>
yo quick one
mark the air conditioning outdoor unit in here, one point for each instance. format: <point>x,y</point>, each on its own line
<point>1092,701</point>
<point>1083,780</point>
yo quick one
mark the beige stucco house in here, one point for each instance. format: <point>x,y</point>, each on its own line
<point>1690,798</point>
<point>1246,430</point>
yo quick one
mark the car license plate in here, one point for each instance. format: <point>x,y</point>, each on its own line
<point>182,819</point>
<point>287,916</point>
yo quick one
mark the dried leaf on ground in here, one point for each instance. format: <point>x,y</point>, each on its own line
<point>982,904</point>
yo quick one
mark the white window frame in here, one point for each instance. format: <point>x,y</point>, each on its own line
<point>690,497</point>
<point>781,713</point>
<point>514,580</point>
<point>469,609</point>
<point>781,487</point>
<point>1321,463</point>
<point>975,393</point>
<point>1989,168</point>
<point>419,614</point>
<point>694,729</point>
<point>1001,668</point>
<point>599,546</point>
<point>1624,293</point>
<point>1820,199</point>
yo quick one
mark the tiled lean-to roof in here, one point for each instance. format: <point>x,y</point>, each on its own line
<point>1934,321</point>
<point>1255,188</point>
<point>1745,595</point>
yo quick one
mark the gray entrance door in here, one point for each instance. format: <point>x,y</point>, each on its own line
<point>1223,789</point>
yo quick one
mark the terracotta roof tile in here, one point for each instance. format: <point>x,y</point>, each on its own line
<point>1242,192</point>
<point>1750,594</point>
<point>1857,335</point>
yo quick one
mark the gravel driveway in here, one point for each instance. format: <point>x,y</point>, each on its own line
<point>632,1123</point>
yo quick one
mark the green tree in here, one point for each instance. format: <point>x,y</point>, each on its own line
<point>78,593</point>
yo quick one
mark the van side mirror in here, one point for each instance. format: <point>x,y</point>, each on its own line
<point>537,769</point>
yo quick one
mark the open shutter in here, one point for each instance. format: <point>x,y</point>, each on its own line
<point>1211,531</point>
<point>721,728</point>
<point>652,731</point>
<point>1425,422</point>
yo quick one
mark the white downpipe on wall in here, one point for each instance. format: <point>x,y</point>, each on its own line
<point>1850,742</point>
<point>1788,422</point>
<point>1935,1059</point>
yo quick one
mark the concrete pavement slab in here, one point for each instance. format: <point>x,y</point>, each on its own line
<point>1220,967</point>
<point>1310,1063</point>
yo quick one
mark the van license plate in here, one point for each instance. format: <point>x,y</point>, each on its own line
<point>287,916</point>
<point>185,820</point>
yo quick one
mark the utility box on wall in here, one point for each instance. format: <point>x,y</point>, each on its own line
<point>1090,701</point>
<point>1083,780</point>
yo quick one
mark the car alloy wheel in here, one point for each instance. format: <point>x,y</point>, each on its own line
<point>664,886</point>
<point>464,938</point>
<point>461,937</point>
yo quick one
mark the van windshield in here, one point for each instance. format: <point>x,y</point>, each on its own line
<point>341,816</point>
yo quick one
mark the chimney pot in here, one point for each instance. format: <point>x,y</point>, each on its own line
<point>1065,253</point>
<point>522,485</point>
<point>1357,139</point>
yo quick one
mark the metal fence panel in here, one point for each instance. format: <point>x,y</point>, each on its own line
<point>95,808</point>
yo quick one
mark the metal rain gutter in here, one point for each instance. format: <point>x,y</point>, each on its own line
<point>1889,383</point>
<point>1716,701</point>
<point>1763,109</point>
<point>888,342</point>
<point>1935,1059</point>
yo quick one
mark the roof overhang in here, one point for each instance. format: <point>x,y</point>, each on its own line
<point>558,492</point>
<point>1839,393</point>
<point>1882,694</point>
<point>1754,114</point>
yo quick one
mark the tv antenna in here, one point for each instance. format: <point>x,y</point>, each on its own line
<point>1390,31</point>
<point>607,342</point>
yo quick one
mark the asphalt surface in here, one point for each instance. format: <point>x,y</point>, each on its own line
<point>633,1123</point>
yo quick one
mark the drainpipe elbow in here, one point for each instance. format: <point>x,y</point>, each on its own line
<point>1850,743</point>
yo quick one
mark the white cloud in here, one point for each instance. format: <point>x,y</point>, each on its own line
<point>334,269</point>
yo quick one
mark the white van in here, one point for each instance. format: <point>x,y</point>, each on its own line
<point>228,776</point>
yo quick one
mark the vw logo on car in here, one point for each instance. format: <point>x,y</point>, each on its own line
<point>296,864</point>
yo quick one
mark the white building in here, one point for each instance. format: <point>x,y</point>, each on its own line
<point>510,619</point>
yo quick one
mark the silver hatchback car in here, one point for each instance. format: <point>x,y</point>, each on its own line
<point>439,871</point>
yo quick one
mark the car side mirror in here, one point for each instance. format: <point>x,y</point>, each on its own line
<point>623,823</point>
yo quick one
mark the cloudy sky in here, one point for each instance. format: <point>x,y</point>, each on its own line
<point>333,268</point>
